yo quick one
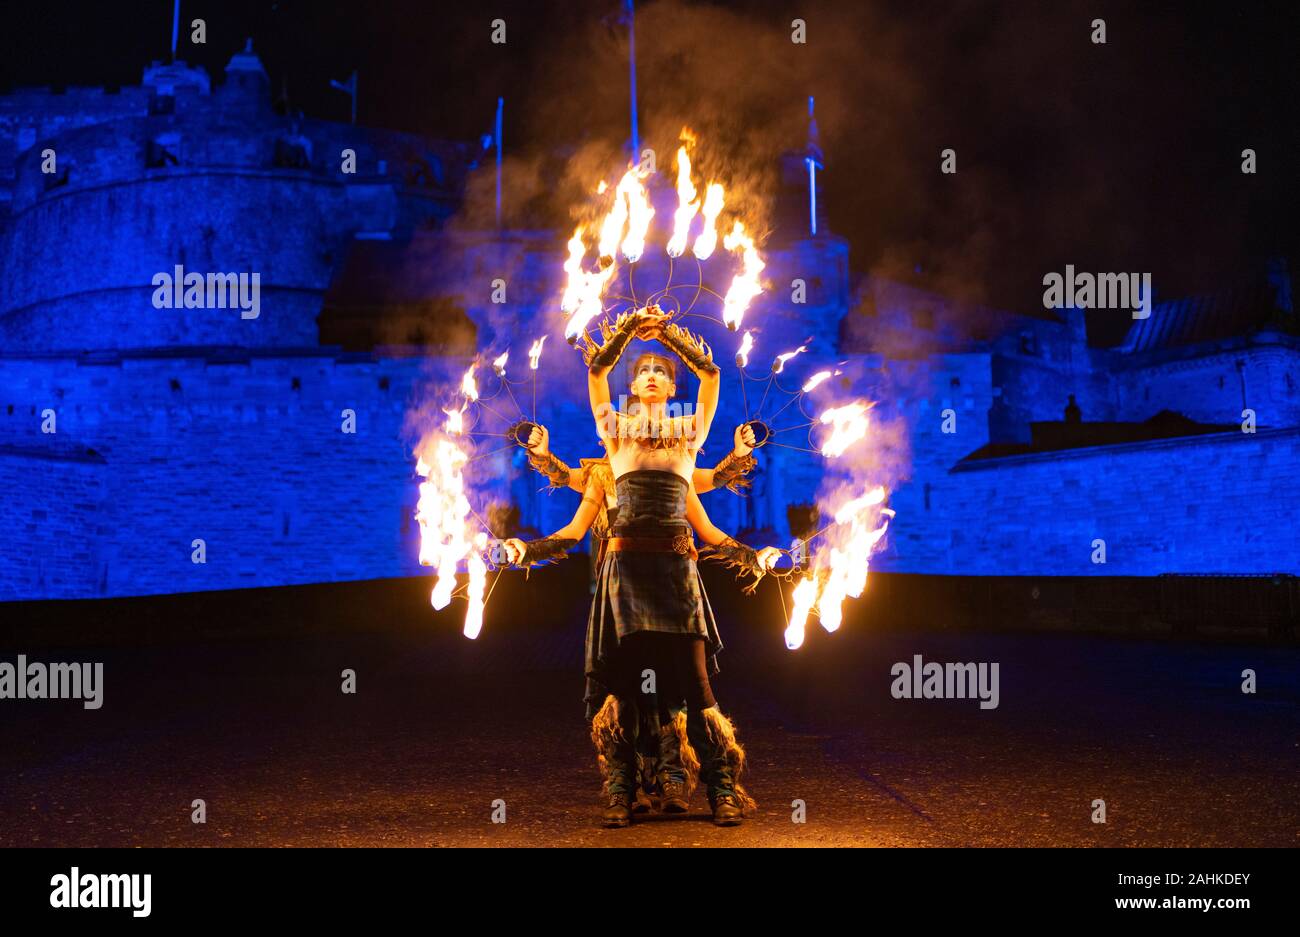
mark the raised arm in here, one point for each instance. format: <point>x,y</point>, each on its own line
<point>601,360</point>
<point>548,463</point>
<point>735,465</point>
<point>553,547</point>
<point>697,356</point>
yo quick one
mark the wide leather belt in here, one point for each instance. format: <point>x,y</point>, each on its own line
<point>682,543</point>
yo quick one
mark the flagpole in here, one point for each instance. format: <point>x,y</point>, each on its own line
<point>176,25</point>
<point>631,49</point>
<point>501,103</point>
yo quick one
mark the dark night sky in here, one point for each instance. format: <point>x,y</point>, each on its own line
<point>1119,157</point>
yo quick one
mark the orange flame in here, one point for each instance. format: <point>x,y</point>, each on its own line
<point>813,382</point>
<point>779,364</point>
<point>443,513</point>
<point>499,363</point>
<point>535,352</point>
<point>632,212</point>
<point>839,570</point>
<point>687,206</point>
<point>708,239</point>
<point>583,290</point>
<point>746,285</point>
<point>805,596</point>
<point>848,425</point>
<point>468,386</point>
<point>746,346</point>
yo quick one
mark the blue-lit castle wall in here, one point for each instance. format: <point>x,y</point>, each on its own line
<point>129,432</point>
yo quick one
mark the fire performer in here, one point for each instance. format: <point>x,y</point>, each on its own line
<point>659,746</point>
<point>651,627</point>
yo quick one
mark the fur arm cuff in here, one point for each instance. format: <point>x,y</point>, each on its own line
<point>552,467</point>
<point>693,350</point>
<point>602,357</point>
<point>546,549</point>
<point>731,471</point>
<point>734,554</point>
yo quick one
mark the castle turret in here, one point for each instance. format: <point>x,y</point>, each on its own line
<point>247,84</point>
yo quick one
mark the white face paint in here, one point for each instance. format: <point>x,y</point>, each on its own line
<point>653,379</point>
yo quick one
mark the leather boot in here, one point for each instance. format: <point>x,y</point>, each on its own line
<point>726,809</point>
<point>715,772</point>
<point>622,778</point>
<point>672,773</point>
<point>618,810</point>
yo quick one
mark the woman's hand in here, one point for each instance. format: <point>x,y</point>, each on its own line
<point>650,323</point>
<point>539,441</point>
<point>744,439</point>
<point>515,550</point>
<point>767,558</point>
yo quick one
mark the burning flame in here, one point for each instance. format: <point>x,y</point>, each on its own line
<point>848,425</point>
<point>840,568</point>
<point>632,212</point>
<point>468,386</point>
<point>446,538</point>
<point>455,420</point>
<point>745,286</point>
<point>746,346</point>
<point>813,382</point>
<point>708,239</point>
<point>779,364</point>
<point>687,206</point>
<point>805,596</point>
<point>535,352</point>
<point>499,363</point>
<point>583,291</point>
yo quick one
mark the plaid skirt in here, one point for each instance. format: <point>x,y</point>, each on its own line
<point>659,592</point>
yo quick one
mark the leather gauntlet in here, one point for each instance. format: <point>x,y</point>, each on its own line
<point>546,549</point>
<point>731,471</point>
<point>552,467</point>
<point>601,357</point>
<point>692,349</point>
<point>734,554</point>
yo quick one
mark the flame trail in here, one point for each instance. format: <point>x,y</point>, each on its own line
<point>499,364</point>
<point>779,364</point>
<point>815,381</point>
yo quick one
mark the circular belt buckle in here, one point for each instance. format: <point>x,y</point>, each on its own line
<point>682,544</point>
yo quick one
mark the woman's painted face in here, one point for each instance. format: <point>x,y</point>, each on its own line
<point>652,380</point>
